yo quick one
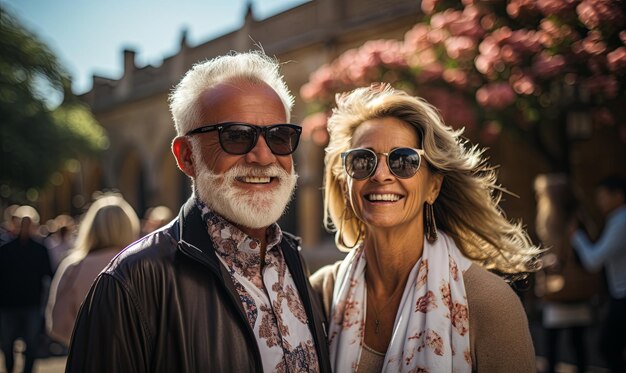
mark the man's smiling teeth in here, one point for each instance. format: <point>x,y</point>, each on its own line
<point>256,180</point>
<point>383,197</point>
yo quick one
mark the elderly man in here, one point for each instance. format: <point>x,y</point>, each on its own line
<point>221,288</point>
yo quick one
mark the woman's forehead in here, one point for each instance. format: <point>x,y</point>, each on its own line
<point>385,131</point>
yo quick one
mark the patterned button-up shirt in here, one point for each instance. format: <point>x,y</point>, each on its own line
<point>268,295</point>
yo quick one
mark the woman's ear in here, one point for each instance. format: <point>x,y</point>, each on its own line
<point>181,147</point>
<point>436,180</point>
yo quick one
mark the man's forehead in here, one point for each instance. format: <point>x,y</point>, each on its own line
<point>241,101</point>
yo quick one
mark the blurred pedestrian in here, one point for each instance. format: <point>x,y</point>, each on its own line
<point>109,225</point>
<point>24,269</point>
<point>609,252</point>
<point>7,227</point>
<point>60,239</point>
<point>565,287</point>
<point>155,218</point>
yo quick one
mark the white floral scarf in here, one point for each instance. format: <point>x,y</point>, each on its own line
<point>431,329</point>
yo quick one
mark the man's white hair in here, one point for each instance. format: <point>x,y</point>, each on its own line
<point>253,66</point>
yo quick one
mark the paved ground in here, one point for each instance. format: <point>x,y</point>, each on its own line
<point>57,365</point>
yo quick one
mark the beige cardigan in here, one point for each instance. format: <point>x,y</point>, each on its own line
<point>69,287</point>
<point>500,340</point>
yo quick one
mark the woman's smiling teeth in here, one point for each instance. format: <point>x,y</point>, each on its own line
<point>255,179</point>
<point>388,197</point>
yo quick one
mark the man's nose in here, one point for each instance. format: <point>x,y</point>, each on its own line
<point>261,153</point>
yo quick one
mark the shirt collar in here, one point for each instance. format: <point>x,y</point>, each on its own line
<point>229,238</point>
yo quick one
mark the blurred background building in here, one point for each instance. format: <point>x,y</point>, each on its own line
<point>134,109</point>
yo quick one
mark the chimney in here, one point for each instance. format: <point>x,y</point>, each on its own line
<point>129,61</point>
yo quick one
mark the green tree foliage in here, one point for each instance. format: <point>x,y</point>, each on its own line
<point>35,140</point>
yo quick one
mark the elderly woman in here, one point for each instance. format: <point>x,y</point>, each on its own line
<point>420,211</point>
<point>109,225</point>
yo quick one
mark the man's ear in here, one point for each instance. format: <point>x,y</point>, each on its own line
<point>436,179</point>
<point>181,147</point>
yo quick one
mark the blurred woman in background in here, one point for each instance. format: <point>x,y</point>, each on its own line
<point>109,225</point>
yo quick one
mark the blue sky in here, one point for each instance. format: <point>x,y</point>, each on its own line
<point>88,35</point>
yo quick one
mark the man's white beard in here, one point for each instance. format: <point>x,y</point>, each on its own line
<point>252,209</point>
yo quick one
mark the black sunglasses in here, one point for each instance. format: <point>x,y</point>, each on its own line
<point>239,138</point>
<point>361,163</point>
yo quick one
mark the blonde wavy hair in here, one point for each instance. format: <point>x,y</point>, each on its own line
<point>110,222</point>
<point>467,207</point>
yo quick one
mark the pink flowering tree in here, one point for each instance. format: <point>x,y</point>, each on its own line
<point>547,71</point>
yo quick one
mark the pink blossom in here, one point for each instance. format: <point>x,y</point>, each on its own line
<point>555,7</point>
<point>318,85</point>
<point>517,8</point>
<point>501,34</point>
<point>616,60</point>
<point>593,43</point>
<point>552,34</point>
<point>428,6</point>
<point>429,72</point>
<point>456,77</point>
<point>489,47</point>
<point>314,128</point>
<point>444,19</point>
<point>416,39</point>
<point>488,21</point>
<point>510,55</point>
<point>489,56</point>
<point>495,95</point>
<point>546,66</point>
<point>522,84</point>
<point>525,41</point>
<point>486,64</point>
<point>468,27</point>
<point>387,52</point>
<point>600,13</point>
<point>457,23</point>
<point>423,58</point>
<point>437,36</point>
<point>309,91</point>
<point>460,47</point>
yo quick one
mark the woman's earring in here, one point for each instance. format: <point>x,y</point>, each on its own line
<point>431,225</point>
<point>347,215</point>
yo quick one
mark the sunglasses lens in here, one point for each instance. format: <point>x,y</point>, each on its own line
<point>282,139</point>
<point>360,163</point>
<point>404,162</point>
<point>238,138</point>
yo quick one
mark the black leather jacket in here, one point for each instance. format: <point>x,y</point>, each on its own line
<point>167,304</point>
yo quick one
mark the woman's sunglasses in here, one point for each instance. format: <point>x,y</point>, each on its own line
<point>361,163</point>
<point>240,138</point>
